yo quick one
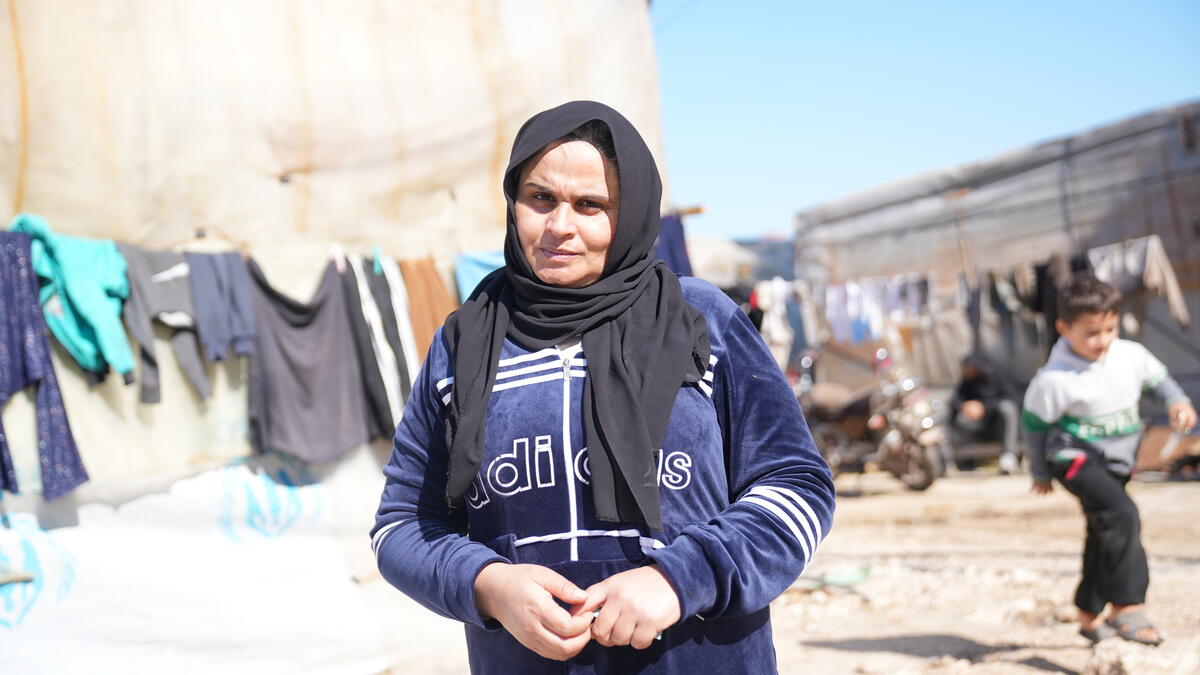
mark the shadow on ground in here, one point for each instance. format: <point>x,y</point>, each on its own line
<point>935,646</point>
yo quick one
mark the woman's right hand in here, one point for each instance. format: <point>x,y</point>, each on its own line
<point>521,598</point>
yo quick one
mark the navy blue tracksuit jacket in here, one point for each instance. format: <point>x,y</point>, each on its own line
<point>746,499</point>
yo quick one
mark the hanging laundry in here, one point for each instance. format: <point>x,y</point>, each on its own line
<point>1024,281</point>
<point>1049,277</point>
<point>873,294</point>
<point>470,267</point>
<point>893,298</point>
<point>807,295</point>
<point>306,383</point>
<point>83,285</point>
<point>381,290</point>
<point>374,387</point>
<point>378,314</point>
<point>159,290</point>
<point>223,308</point>
<point>671,246</point>
<point>860,328</point>
<point>1004,302</point>
<point>429,300</point>
<point>1137,267</point>
<point>795,318</point>
<point>837,313</point>
<point>24,361</point>
<point>771,296</point>
<point>398,293</point>
<point>920,298</point>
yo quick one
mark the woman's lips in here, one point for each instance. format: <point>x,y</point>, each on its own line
<point>555,254</point>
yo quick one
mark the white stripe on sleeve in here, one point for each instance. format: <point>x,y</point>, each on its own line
<point>378,538</point>
<point>820,534</point>
<point>777,495</point>
<point>782,516</point>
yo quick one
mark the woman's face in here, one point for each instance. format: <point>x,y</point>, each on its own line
<point>566,213</point>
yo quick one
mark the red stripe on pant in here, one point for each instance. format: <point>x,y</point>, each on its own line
<point>1075,465</point>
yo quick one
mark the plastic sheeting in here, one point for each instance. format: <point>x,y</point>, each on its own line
<point>286,125</point>
<point>1135,177</point>
<point>238,570</point>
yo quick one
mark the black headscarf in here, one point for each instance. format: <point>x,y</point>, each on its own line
<point>641,339</point>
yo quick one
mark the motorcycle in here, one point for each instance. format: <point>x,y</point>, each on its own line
<point>892,424</point>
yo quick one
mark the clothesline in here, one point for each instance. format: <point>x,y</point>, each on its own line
<point>325,375</point>
<point>883,307</point>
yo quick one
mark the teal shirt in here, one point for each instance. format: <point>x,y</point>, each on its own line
<point>82,288</point>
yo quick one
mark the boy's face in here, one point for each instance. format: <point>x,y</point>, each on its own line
<point>1090,334</point>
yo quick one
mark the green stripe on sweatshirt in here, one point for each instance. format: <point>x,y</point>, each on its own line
<point>1155,380</point>
<point>1112,425</point>
<point>1034,423</point>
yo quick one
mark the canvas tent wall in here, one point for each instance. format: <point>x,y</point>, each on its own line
<point>283,127</point>
<point>287,127</point>
<point>1131,178</point>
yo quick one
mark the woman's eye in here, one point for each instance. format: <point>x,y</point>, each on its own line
<point>591,205</point>
<point>542,197</point>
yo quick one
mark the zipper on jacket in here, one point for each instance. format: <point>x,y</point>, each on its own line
<point>568,460</point>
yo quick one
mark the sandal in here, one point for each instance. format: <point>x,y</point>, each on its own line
<point>1100,632</point>
<point>1128,624</point>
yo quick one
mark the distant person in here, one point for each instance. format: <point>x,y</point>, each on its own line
<point>600,463</point>
<point>1082,428</point>
<point>986,408</point>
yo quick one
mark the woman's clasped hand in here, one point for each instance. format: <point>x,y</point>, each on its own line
<point>629,608</point>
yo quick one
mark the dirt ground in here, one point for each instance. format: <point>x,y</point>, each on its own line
<point>976,575</point>
<point>973,576</point>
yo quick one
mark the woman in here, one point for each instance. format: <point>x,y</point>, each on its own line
<point>597,452</point>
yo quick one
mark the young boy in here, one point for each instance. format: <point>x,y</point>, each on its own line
<point>1082,428</point>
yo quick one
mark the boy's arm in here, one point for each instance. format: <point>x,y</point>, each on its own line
<point>1159,385</point>
<point>1156,381</point>
<point>1166,391</point>
<point>1035,446</point>
<point>1039,412</point>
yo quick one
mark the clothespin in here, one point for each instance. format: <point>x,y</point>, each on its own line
<point>376,256</point>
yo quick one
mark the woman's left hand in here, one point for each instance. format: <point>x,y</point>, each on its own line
<point>635,606</point>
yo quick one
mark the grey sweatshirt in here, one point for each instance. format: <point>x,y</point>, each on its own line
<point>1075,405</point>
<point>159,290</point>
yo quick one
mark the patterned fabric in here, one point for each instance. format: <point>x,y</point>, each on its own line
<point>24,361</point>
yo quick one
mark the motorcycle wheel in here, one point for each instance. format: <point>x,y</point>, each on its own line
<point>920,467</point>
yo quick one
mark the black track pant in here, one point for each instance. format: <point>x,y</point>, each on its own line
<point>1114,562</point>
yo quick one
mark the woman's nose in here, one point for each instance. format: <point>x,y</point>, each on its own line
<point>558,221</point>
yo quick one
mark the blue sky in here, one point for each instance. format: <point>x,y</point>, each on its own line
<point>772,107</point>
